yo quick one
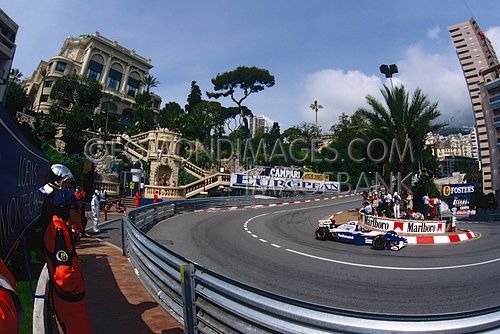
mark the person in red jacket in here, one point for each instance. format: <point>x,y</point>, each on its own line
<point>10,305</point>
<point>155,197</point>
<point>137,199</point>
<point>67,288</point>
<point>80,203</point>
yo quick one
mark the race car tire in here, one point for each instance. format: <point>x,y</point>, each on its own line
<point>379,242</point>
<point>322,233</point>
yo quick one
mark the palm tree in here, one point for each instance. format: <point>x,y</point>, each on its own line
<point>15,75</point>
<point>150,82</point>
<point>402,119</point>
<point>43,74</point>
<point>315,107</point>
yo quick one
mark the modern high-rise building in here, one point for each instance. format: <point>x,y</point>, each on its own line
<point>476,54</point>
<point>8,32</point>
<point>259,123</point>
<point>119,70</point>
<point>490,94</point>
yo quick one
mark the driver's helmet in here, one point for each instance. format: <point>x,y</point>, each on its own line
<point>57,176</point>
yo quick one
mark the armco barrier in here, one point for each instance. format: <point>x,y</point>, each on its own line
<point>207,302</point>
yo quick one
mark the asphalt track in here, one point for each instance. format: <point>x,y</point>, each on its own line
<point>278,253</point>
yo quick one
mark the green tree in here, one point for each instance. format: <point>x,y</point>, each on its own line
<point>204,120</point>
<point>194,97</point>
<point>273,135</point>
<point>173,117</point>
<point>247,80</point>
<point>75,90</point>
<point>143,116</point>
<point>15,98</point>
<point>150,82</point>
<point>402,119</point>
<point>43,74</point>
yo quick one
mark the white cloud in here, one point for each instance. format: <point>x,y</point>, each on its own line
<point>338,92</point>
<point>493,33</point>
<point>438,75</point>
<point>440,78</point>
<point>433,33</point>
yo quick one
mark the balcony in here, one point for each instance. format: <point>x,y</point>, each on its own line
<point>495,105</point>
<point>496,121</point>
<point>492,85</point>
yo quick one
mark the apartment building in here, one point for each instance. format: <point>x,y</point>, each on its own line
<point>490,94</point>
<point>476,54</point>
<point>8,32</point>
<point>259,123</point>
<point>119,70</point>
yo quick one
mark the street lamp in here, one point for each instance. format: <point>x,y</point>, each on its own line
<point>388,71</point>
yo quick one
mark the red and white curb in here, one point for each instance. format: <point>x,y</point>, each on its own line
<point>463,235</point>
<point>267,205</point>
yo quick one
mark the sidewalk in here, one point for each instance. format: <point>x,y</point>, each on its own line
<point>117,301</point>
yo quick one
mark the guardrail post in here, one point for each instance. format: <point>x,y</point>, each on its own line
<point>124,246</point>
<point>188,298</point>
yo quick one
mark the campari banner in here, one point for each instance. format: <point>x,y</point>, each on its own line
<point>23,170</point>
<point>459,198</point>
<point>282,183</point>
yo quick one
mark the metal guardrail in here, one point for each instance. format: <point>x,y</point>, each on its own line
<point>206,302</point>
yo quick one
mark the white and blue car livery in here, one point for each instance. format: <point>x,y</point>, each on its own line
<point>353,233</point>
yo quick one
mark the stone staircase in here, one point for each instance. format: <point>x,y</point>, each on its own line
<point>133,148</point>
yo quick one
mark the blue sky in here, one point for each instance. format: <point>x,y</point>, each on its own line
<point>324,50</point>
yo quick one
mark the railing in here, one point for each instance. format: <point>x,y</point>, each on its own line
<point>163,192</point>
<point>197,171</point>
<point>111,188</point>
<point>206,302</point>
<point>206,184</point>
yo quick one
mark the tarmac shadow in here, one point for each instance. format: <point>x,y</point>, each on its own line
<point>116,300</point>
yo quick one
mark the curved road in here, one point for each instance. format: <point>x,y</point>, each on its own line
<point>274,249</point>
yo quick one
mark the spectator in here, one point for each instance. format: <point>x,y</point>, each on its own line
<point>132,188</point>
<point>426,200</point>
<point>165,151</point>
<point>10,304</point>
<point>437,204</point>
<point>388,204</point>
<point>67,288</point>
<point>158,154</point>
<point>409,202</point>
<point>155,197</point>
<point>396,205</point>
<point>137,199</point>
<point>94,206</point>
<point>367,208</point>
<point>119,205</point>
<point>80,198</point>
<point>173,183</point>
<point>160,182</point>
<point>167,183</point>
<point>103,195</point>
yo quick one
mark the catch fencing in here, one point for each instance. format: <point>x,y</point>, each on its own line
<point>207,302</point>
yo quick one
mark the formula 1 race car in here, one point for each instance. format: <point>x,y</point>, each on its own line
<point>354,233</point>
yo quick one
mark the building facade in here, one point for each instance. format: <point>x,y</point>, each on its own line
<point>8,32</point>
<point>119,70</point>
<point>453,145</point>
<point>259,123</point>
<point>490,94</point>
<point>475,53</point>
